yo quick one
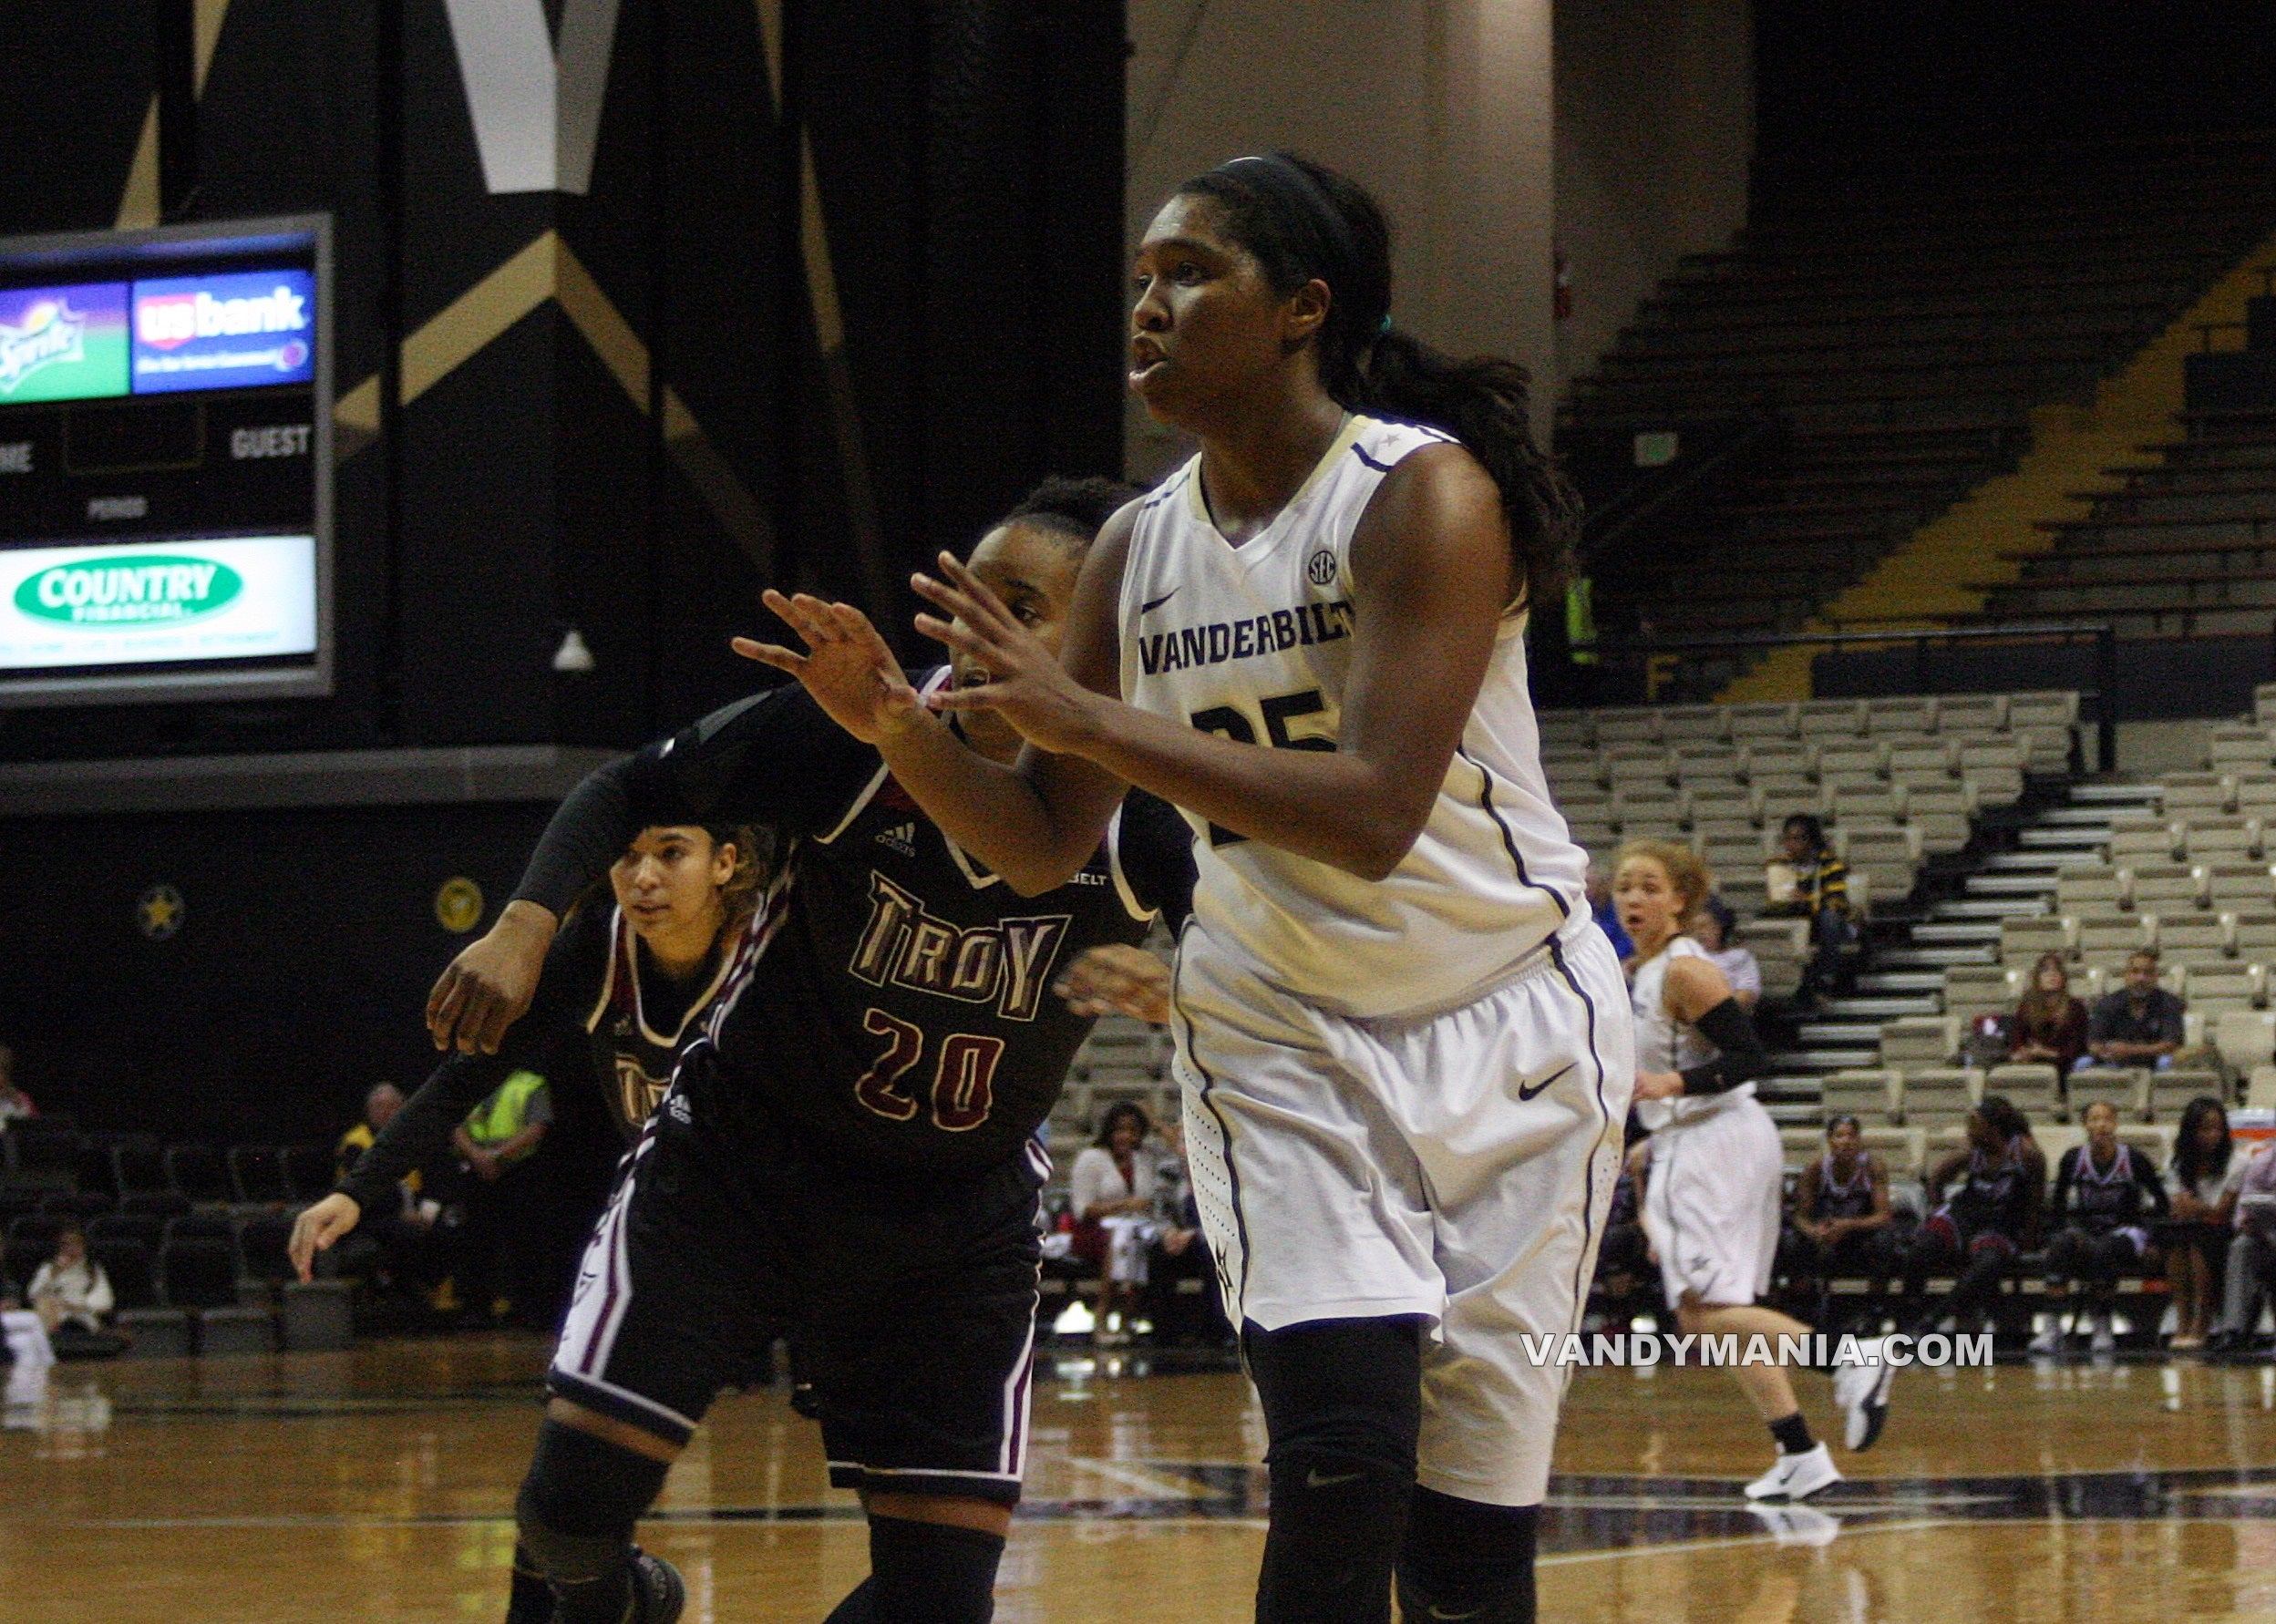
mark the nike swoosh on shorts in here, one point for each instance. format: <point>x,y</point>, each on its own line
<point>1538,1088</point>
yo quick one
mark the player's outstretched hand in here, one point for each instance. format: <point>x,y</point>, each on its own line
<point>486,988</point>
<point>1026,685</point>
<point>315,1230</point>
<point>1117,979</point>
<point>847,667</point>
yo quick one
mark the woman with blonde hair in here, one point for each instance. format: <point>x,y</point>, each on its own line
<point>1713,1189</point>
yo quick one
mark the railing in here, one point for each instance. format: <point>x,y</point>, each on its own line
<point>1661,658</point>
<point>1659,495</point>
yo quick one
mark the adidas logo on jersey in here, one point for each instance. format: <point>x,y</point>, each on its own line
<point>902,837</point>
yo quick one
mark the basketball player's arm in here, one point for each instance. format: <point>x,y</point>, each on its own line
<point>1806,1202</point>
<point>2036,1164</point>
<point>2153,1188</point>
<point>1698,995</point>
<point>1943,1174</point>
<point>1431,559</point>
<point>1882,1213</point>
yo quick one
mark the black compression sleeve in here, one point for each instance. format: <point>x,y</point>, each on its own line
<point>421,1129</point>
<point>588,831</point>
<point>1740,1057</point>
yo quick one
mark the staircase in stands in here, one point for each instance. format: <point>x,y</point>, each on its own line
<point>1909,956</point>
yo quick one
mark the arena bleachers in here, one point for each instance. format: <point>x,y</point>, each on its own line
<point>1900,321</point>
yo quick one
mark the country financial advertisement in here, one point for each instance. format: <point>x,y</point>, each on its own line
<point>247,598</point>
<point>63,343</point>
<point>224,332</point>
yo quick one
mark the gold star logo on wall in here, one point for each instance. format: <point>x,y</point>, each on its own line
<point>159,912</point>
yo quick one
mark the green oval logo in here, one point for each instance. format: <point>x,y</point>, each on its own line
<point>147,589</point>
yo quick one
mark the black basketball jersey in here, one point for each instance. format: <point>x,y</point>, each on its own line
<point>2100,1199</point>
<point>1997,1197</point>
<point>1837,1199</point>
<point>892,1002</point>
<point>597,979</point>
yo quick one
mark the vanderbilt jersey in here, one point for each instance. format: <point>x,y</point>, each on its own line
<point>1253,643</point>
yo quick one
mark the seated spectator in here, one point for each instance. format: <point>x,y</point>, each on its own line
<point>1181,1252</point>
<point>2050,1025</point>
<point>2251,1253</point>
<point>1112,1187</point>
<point>380,1107</point>
<point>1979,1231</point>
<point>13,1101</point>
<point>497,1136</point>
<point>72,1297</point>
<point>1625,1278</point>
<point>2105,1195</point>
<point>1600,894</point>
<point>2206,1174</point>
<point>1842,1214</point>
<point>2139,1024</point>
<point>1712,930</point>
<point>1809,881</point>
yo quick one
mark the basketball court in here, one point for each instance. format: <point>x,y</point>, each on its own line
<point>379,1484</point>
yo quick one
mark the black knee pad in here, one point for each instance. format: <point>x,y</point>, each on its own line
<point>1343,1406</point>
<point>579,1502</point>
<point>931,1573</point>
<point>1463,1559</point>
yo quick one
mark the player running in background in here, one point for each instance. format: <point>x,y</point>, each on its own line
<point>636,974</point>
<point>1711,1196</point>
<point>851,1142</point>
<point>1403,1042</point>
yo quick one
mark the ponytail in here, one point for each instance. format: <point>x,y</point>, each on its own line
<point>1482,402</point>
<point>1303,220</point>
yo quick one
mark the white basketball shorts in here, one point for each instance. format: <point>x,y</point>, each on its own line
<point>1712,1203</point>
<point>1454,1164</point>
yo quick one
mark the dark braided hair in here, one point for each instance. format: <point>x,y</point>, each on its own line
<point>1303,220</point>
<point>1075,509</point>
<point>2001,1115</point>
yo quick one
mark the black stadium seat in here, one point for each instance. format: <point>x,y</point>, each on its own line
<point>264,1241</point>
<point>196,1172</point>
<point>31,1241</point>
<point>157,1204</point>
<point>41,1154</point>
<point>127,1261</point>
<point>125,1226</point>
<point>256,1175</point>
<point>308,1170</point>
<point>76,1204</point>
<point>199,1272</point>
<point>139,1169</point>
<point>201,1226</point>
<point>96,1171</point>
<point>16,1203</point>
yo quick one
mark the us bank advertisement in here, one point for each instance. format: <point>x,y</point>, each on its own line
<point>146,602</point>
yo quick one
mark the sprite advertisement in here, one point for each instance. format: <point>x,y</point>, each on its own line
<point>145,602</point>
<point>63,343</point>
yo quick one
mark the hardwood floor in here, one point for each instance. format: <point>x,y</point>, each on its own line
<point>377,1485</point>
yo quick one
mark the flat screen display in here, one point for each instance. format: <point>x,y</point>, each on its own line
<point>166,463</point>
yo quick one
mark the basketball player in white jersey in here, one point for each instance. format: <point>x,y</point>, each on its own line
<point>1712,1194</point>
<point>1402,1040</point>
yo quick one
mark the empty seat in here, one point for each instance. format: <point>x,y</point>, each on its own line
<point>41,1154</point>
<point>1870,1096</point>
<point>2023,938</point>
<point>1762,721</point>
<point>157,1204</point>
<point>77,1205</point>
<point>126,1259</point>
<point>1938,1097</point>
<point>1627,727</point>
<point>2107,941</point>
<point>197,1173</point>
<point>2141,843</point>
<point>2240,888</point>
<point>126,1226</point>
<point>309,1171</point>
<point>2245,1038</point>
<point>1901,716</point>
<point>2121,1085</point>
<point>1920,761</point>
<point>1694,722</point>
<point>2052,708</point>
<point>30,1241</point>
<point>2185,795</point>
<point>2090,890</point>
<point>1970,713</point>
<point>2171,1092</point>
<point>2225,840</point>
<point>2225,985</point>
<point>2189,939</point>
<point>1910,1040</point>
<point>256,1174</point>
<point>2164,888</point>
<point>2255,793</point>
<point>137,1167</point>
<point>1975,989</point>
<point>1830,718</point>
<point>1942,813</point>
<point>198,1271</point>
<point>1853,804</point>
<point>2034,1088</point>
<point>2252,937</point>
<point>2241,748</point>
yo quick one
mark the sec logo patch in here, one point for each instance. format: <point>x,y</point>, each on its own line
<point>1320,567</point>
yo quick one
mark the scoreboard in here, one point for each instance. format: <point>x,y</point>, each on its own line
<point>166,464</point>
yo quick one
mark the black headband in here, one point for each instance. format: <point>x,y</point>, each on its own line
<point>1324,239</point>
